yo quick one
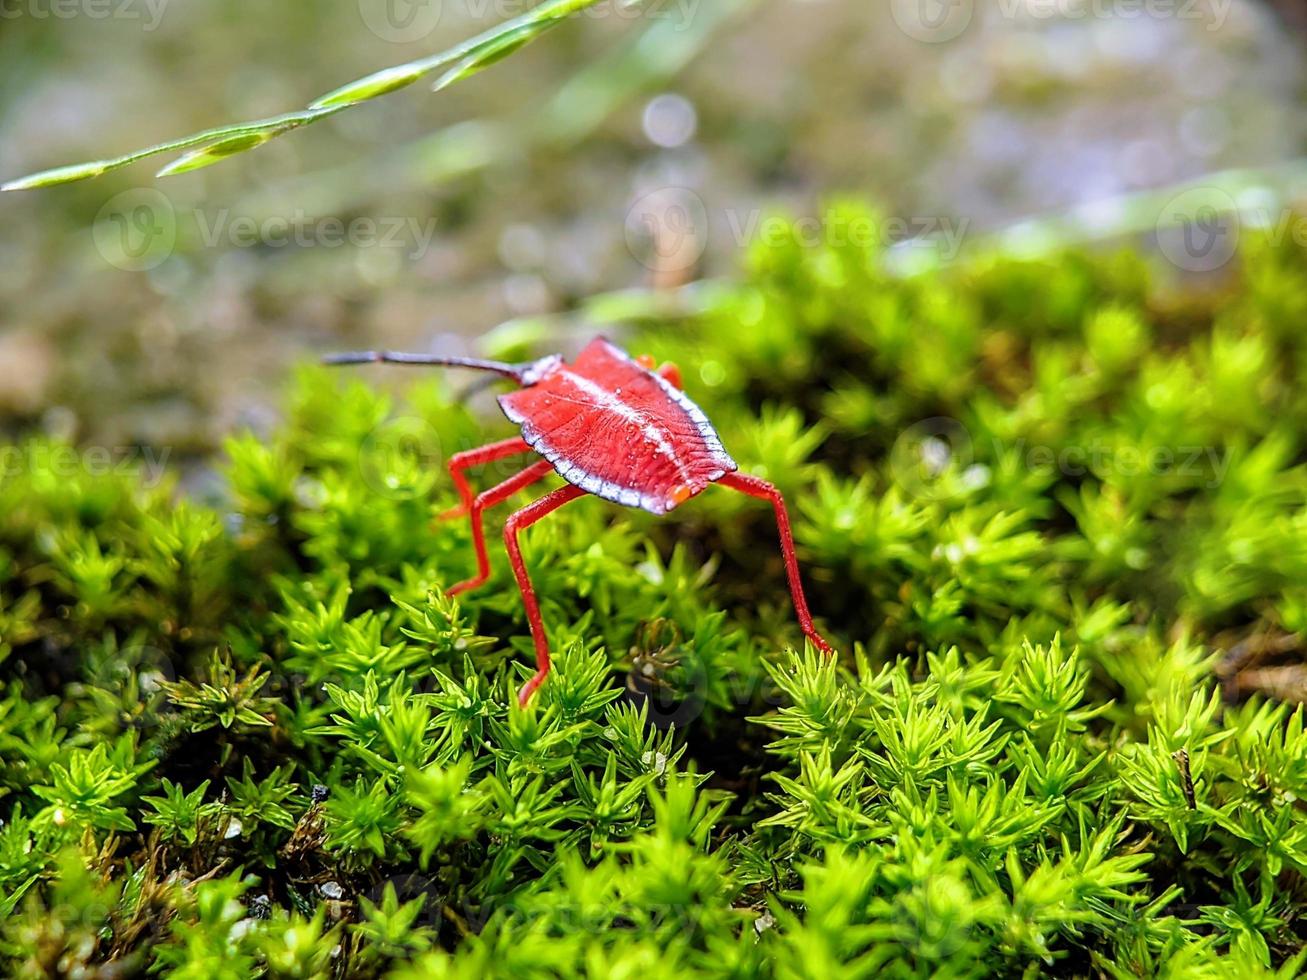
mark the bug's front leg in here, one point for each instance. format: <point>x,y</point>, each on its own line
<point>669,371</point>
<point>519,521</point>
<point>672,374</point>
<point>488,498</point>
<point>459,463</point>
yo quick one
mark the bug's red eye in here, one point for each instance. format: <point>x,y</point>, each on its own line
<point>645,361</point>
<point>680,494</point>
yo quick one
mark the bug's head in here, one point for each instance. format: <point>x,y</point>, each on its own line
<point>535,371</point>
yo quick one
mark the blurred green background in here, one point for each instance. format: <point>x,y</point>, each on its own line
<point>166,312</point>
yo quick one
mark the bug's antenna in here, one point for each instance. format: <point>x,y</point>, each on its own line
<point>518,372</point>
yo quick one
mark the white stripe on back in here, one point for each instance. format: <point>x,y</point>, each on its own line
<point>608,401</point>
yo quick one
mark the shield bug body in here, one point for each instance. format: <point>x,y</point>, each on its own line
<point>611,426</point>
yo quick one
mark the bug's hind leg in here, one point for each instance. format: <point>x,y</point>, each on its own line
<point>755,487</point>
<point>518,521</point>
<point>460,462</point>
<point>488,498</point>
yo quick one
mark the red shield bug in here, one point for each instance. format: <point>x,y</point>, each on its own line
<point>610,425</point>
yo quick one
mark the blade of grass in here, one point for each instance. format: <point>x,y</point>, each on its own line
<point>642,62</point>
<point>225,141</point>
<point>487,55</point>
<point>83,171</point>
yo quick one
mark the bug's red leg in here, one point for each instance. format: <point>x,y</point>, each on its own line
<point>763,490</point>
<point>518,521</point>
<point>669,371</point>
<point>672,374</point>
<point>460,462</point>
<point>488,498</point>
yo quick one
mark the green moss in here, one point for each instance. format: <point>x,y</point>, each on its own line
<point>1052,513</point>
